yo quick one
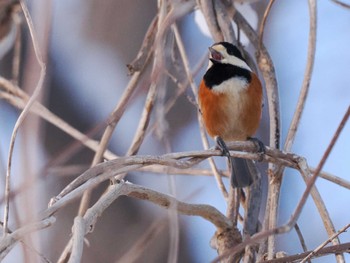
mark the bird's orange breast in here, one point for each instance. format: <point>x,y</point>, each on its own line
<point>233,113</point>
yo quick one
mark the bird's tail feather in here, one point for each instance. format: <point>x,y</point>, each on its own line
<point>241,175</point>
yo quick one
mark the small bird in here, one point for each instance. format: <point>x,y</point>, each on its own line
<point>230,100</point>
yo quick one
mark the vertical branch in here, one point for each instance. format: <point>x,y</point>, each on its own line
<point>263,22</point>
<point>274,181</point>
<point>24,113</point>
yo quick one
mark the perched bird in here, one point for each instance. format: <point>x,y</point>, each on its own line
<point>230,100</point>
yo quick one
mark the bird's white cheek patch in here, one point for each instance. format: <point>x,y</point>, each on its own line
<point>232,86</point>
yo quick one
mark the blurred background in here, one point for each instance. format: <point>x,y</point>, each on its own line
<point>87,45</point>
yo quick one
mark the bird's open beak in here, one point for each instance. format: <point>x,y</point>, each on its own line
<point>215,55</point>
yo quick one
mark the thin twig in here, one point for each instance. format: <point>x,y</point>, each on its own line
<point>301,238</point>
<point>334,179</point>
<point>263,22</point>
<point>341,248</point>
<point>315,251</point>
<point>341,3</point>
<point>24,113</point>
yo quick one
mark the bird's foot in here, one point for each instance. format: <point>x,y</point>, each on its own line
<point>221,145</point>
<point>260,146</point>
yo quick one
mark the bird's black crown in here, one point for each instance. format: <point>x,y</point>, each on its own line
<point>232,50</point>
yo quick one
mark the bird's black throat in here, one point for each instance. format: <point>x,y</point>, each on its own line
<point>220,72</point>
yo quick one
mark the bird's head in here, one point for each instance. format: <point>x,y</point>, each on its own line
<point>227,53</point>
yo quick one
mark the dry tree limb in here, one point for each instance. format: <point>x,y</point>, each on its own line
<point>104,171</point>
<point>183,160</point>
<point>205,211</point>
<point>274,180</point>
<point>24,113</point>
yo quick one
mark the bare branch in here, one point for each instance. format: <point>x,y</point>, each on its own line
<point>24,113</point>
<point>263,22</point>
<point>77,240</point>
<point>341,3</point>
<point>315,251</point>
<point>342,248</point>
<point>301,238</point>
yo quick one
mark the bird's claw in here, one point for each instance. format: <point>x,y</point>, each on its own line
<point>260,147</point>
<point>221,145</point>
